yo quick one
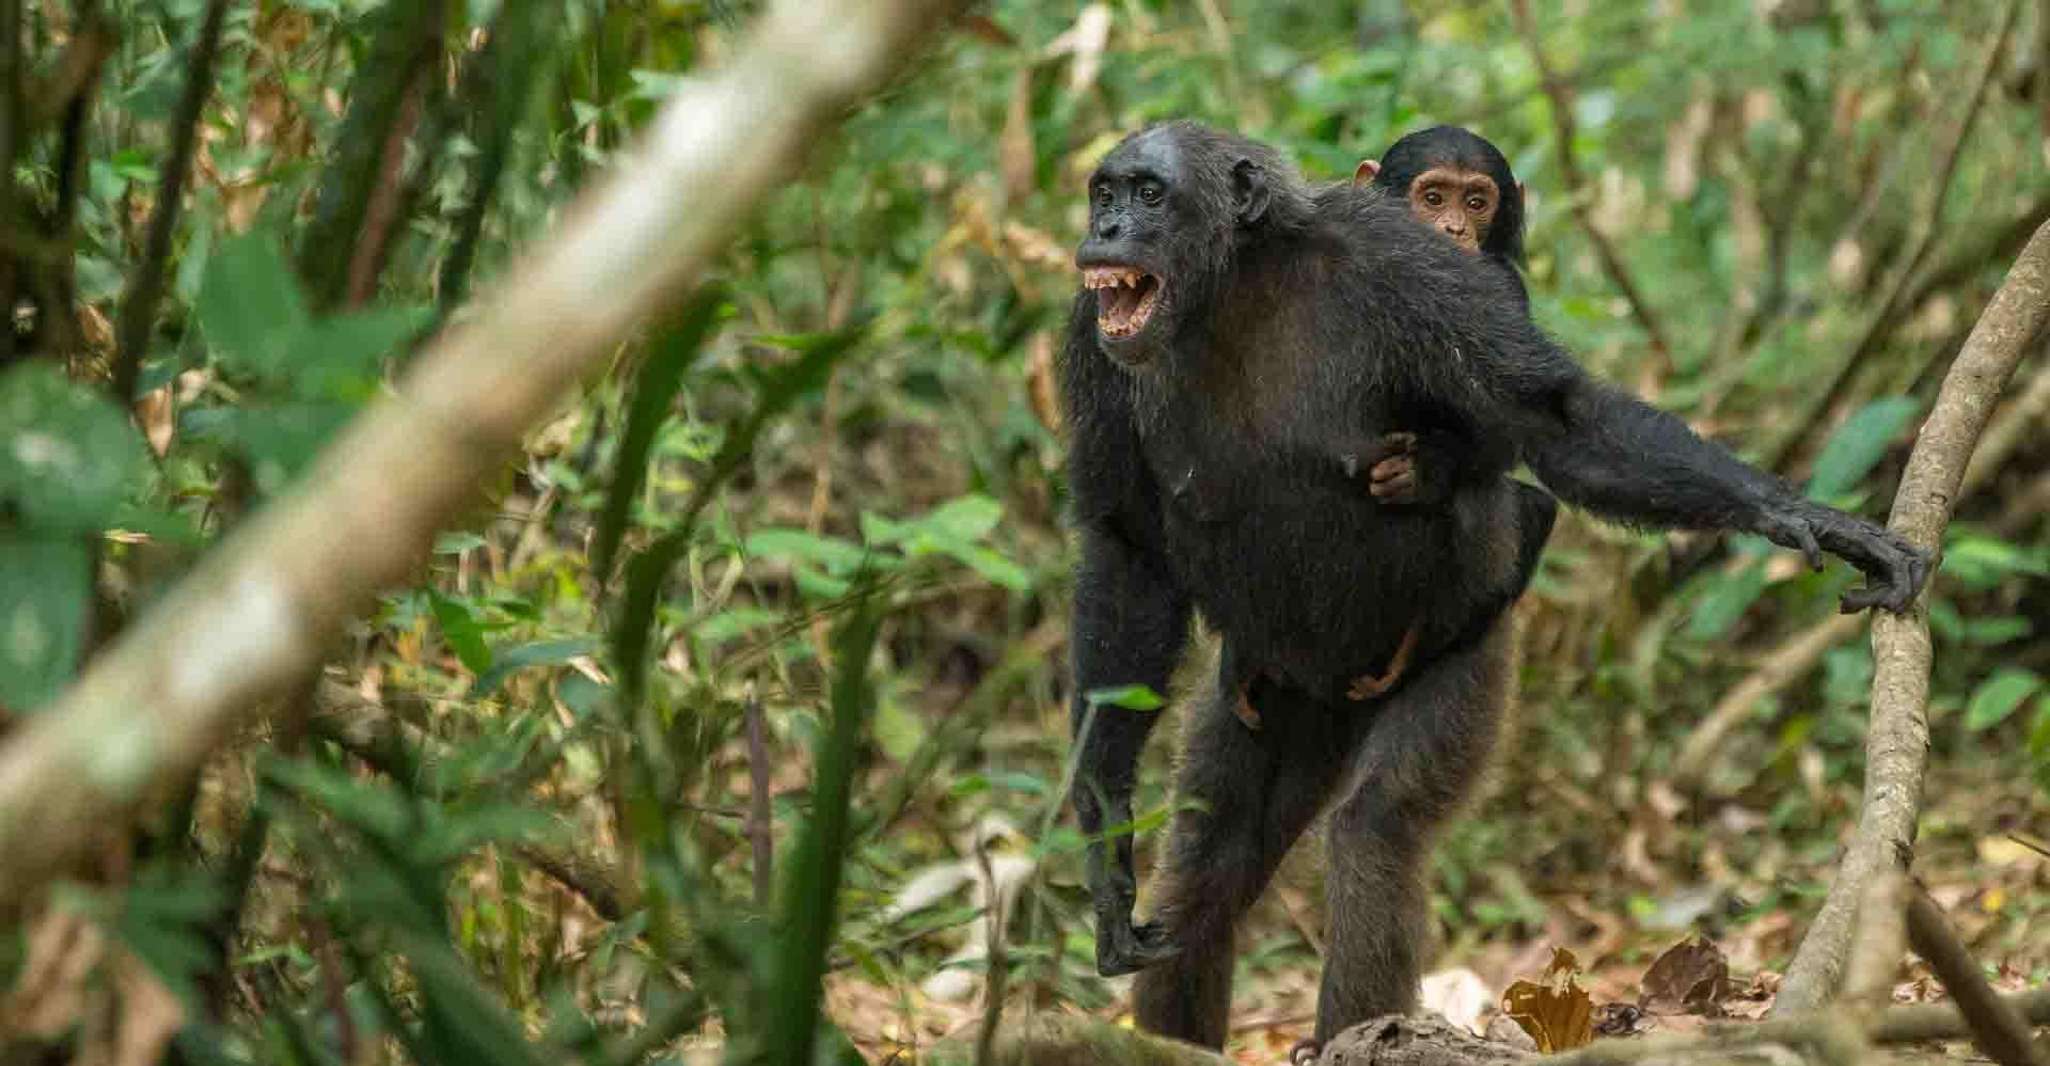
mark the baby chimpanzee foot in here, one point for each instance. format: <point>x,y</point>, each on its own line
<point>1368,686</point>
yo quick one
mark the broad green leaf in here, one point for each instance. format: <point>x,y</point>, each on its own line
<point>1858,445</point>
<point>338,358</point>
<point>44,592</point>
<point>1999,696</point>
<point>465,636</point>
<point>1727,597</point>
<point>68,458</point>
<point>1130,697</point>
<point>250,306</point>
<point>836,556</point>
<point>507,661</point>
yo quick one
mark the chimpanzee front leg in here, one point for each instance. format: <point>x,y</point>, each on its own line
<point>1130,626</point>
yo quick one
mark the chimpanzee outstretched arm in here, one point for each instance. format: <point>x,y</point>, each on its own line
<point>1130,627</point>
<point>1622,458</point>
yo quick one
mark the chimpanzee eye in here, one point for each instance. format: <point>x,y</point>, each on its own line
<point>1476,204</point>
<point>1435,199</point>
<point>1103,196</point>
<point>1149,192</point>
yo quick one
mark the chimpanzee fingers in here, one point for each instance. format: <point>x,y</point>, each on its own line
<point>1127,947</point>
<point>1400,442</point>
<point>1811,549</point>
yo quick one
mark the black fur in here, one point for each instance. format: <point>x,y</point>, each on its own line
<point>1294,323</point>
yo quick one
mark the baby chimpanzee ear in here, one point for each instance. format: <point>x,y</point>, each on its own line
<point>1366,172</point>
<point>1249,191</point>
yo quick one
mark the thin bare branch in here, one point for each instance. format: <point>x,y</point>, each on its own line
<point>1997,1028</point>
<point>264,606</point>
<point>146,285</point>
<point>1897,740</point>
<point>1817,420</point>
<point>1578,195</point>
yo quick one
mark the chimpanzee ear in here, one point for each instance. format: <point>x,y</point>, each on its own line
<point>1249,191</point>
<point>1366,172</point>
<point>1523,194</point>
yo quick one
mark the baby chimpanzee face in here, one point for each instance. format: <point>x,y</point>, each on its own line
<point>1457,202</point>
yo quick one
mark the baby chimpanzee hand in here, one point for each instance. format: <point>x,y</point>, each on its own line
<point>1390,467</point>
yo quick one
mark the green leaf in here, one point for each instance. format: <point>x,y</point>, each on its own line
<point>68,457</point>
<point>1130,697</point>
<point>1725,601</point>
<point>465,635</point>
<point>654,393</point>
<point>44,592</point>
<point>339,358</point>
<point>507,661</point>
<point>250,306</point>
<point>1858,445</point>
<point>836,556</point>
<point>1999,696</point>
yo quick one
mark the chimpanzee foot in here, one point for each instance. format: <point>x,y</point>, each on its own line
<point>1245,710</point>
<point>1128,947</point>
<point>1369,686</point>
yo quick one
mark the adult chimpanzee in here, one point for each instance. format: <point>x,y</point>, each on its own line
<point>1235,332</point>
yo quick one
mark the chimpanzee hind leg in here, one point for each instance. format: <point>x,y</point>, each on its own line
<point>1242,796</point>
<point>1427,748</point>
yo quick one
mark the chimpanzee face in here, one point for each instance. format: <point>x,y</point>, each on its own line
<point>1125,258</point>
<point>1458,202</point>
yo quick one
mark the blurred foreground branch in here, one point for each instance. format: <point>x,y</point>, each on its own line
<point>264,605</point>
<point>1897,739</point>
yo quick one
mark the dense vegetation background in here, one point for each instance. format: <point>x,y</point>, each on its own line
<point>777,605</point>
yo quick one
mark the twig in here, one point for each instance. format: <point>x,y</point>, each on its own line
<point>1997,1029</point>
<point>994,965</point>
<point>265,604</point>
<point>1783,666</point>
<point>1577,194</point>
<point>760,838</point>
<point>1816,420</point>
<point>146,285</point>
<point>1919,1022</point>
<point>1897,740</point>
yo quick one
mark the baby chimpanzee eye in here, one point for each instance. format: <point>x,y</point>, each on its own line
<point>1149,192</point>
<point>1435,199</point>
<point>1475,203</point>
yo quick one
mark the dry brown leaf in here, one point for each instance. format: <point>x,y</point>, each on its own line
<point>1017,159</point>
<point>154,412</point>
<point>1692,977</point>
<point>1555,1010</point>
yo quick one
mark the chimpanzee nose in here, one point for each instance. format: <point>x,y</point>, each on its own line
<point>1109,228</point>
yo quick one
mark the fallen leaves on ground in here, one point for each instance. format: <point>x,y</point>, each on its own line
<point>1554,1010</point>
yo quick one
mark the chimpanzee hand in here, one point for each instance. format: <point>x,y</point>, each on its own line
<point>1393,477</point>
<point>1894,569</point>
<point>1390,468</point>
<point>1124,946</point>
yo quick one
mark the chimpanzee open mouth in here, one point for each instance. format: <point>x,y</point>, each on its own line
<point>1125,297</point>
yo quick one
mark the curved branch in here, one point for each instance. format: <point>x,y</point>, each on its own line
<point>262,608</point>
<point>1897,740</point>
